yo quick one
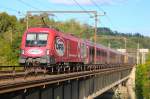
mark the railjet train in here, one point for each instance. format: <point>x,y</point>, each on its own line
<point>47,46</point>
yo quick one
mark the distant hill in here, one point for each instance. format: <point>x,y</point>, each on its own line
<point>132,38</point>
<point>107,31</point>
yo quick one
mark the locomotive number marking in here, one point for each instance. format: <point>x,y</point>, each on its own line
<point>34,51</point>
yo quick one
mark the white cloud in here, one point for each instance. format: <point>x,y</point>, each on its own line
<point>87,2</point>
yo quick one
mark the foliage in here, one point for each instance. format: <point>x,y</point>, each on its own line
<point>7,22</point>
<point>143,81</point>
<point>10,36</point>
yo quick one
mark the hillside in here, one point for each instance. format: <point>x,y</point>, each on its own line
<point>132,39</point>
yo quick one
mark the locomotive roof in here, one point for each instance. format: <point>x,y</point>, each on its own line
<point>38,29</point>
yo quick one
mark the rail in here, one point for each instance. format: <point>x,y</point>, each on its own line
<point>12,72</point>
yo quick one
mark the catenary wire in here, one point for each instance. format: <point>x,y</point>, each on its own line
<point>77,3</point>
<point>108,18</point>
<point>27,4</point>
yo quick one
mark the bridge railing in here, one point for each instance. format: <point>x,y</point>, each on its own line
<point>9,72</point>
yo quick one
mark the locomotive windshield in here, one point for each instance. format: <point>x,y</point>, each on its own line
<point>36,39</point>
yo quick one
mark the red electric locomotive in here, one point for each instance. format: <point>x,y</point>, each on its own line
<point>48,46</point>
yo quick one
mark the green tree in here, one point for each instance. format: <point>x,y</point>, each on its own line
<point>143,81</point>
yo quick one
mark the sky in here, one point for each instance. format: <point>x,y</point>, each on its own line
<point>128,16</point>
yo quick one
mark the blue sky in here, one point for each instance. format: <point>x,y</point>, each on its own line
<point>121,15</point>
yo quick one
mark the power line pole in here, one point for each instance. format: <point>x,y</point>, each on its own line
<point>125,47</point>
<point>125,43</point>
<point>95,34</point>
<point>27,21</point>
<point>138,46</point>
<point>109,45</point>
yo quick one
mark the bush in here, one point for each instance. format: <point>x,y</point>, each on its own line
<point>143,81</point>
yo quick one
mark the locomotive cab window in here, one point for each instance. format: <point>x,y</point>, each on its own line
<point>36,39</point>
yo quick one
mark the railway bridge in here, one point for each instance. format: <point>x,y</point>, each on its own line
<point>84,83</point>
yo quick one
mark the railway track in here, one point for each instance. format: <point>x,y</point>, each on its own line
<point>14,73</point>
<point>4,75</point>
<point>31,81</point>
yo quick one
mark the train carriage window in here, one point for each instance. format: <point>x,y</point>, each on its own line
<point>97,52</point>
<point>105,54</point>
<point>91,51</point>
<point>102,53</point>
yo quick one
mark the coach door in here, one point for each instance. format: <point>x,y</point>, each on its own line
<point>91,52</point>
<point>68,48</point>
<point>83,51</point>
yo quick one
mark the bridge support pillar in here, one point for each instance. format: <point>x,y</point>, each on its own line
<point>58,92</point>
<point>131,84</point>
<point>67,91</point>
<point>75,89</point>
<point>32,94</point>
<point>46,93</point>
<point>81,89</point>
<point>121,92</point>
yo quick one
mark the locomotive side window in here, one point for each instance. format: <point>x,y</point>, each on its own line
<point>36,39</point>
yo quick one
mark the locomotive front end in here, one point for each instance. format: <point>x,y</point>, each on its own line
<point>34,48</point>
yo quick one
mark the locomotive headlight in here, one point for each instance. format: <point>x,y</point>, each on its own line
<point>47,52</point>
<point>22,51</point>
